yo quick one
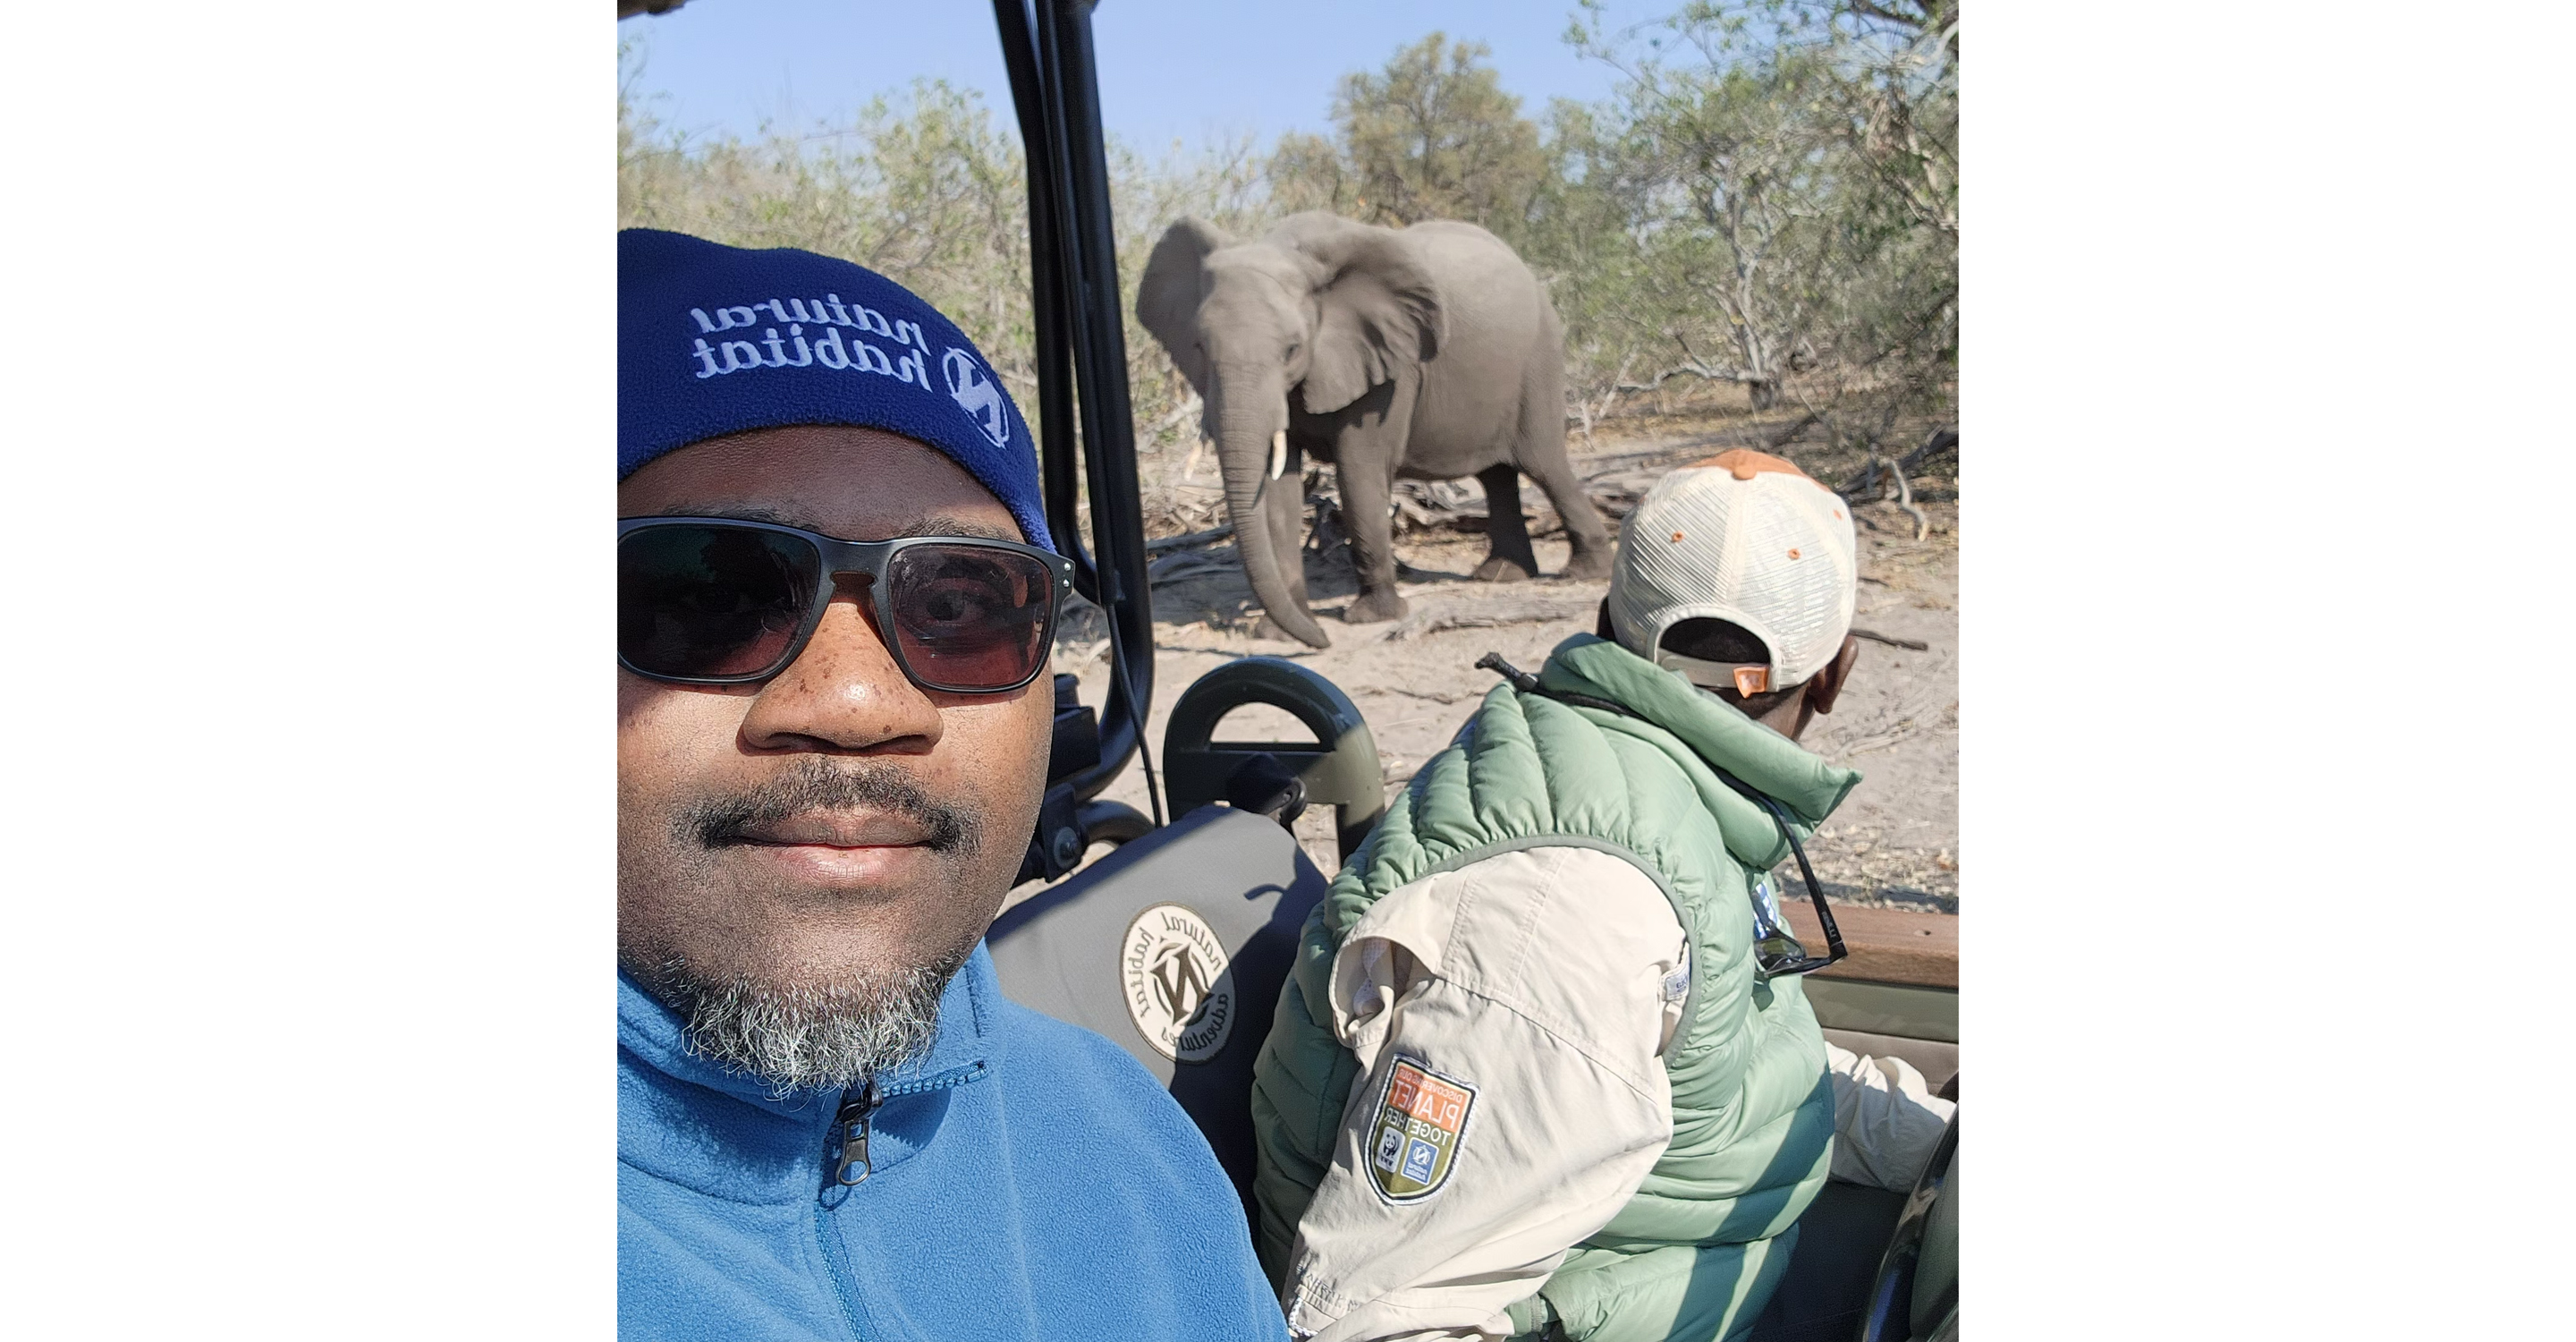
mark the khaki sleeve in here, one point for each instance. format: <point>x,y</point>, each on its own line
<point>1886,1119</point>
<point>1506,1018</point>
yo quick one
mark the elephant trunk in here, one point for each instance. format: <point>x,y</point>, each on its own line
<point>1247,439</point>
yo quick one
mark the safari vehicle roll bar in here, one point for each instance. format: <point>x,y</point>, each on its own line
<point>1082,386</point>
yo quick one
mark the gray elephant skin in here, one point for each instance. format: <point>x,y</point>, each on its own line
<point>1428,352</point>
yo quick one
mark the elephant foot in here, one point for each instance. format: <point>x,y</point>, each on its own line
<point>1496,568</point>
<point>1376,607</point>
<point>1592,563</point>
<point>1265,627</point>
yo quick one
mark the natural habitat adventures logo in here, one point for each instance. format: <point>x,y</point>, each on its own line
<point>899,350</point>
<point>1179,983</point>
<point>975,393</point>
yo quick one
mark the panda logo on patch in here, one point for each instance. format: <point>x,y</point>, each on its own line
<point>973,390</point>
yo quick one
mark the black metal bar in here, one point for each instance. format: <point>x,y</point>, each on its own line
<point>1099,331</point>
<point>1072,90</point>
<point>1057,462</point>
<point>1075,300</point>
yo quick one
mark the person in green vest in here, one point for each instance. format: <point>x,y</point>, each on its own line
<point>1543,1067</point>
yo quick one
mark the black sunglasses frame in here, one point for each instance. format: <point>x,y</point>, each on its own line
<point>1787,965</point>
<point>869,559</point>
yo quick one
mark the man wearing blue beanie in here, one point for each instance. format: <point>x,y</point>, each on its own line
<point>836,600</point>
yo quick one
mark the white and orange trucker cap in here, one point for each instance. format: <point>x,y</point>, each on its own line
<point>1747,538</point>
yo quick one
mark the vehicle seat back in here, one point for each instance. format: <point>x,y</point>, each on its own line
<point>1199,917</point>
<point>1339,767</point>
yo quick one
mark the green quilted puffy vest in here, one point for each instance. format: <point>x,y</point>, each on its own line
<point>1695,1253</point>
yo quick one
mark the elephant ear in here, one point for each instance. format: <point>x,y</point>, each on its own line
<point>1378,307</point>
<point>1167,299</point>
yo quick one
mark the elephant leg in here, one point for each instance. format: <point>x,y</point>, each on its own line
<point>1367,489</point>
<point>1583,525</point>
<point>1542,456</point>
<point>1508,556</point>
<point>1283,516</point>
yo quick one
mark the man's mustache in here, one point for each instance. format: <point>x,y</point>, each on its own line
<point>812,785</point>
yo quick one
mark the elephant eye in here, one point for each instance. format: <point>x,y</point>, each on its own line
<point>1293,347</point>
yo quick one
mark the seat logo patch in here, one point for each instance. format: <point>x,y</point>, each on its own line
<point>1178,983</point>
<point>1413,1138</point>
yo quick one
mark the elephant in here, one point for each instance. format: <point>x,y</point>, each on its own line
<point>1429,352</point>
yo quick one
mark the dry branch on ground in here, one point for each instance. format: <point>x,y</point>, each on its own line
<point>1533,608</point>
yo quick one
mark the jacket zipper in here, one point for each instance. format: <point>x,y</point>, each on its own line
<point>848,1149</point>
<point>851,1125</point>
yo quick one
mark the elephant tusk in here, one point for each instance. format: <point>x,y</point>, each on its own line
<point>1278,454</point>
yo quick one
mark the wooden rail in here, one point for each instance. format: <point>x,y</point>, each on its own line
<point>1889,945</point>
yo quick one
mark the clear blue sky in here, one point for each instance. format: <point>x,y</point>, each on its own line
<point>1169,69</point>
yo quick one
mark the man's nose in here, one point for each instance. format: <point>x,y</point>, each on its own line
<point>844,692</point>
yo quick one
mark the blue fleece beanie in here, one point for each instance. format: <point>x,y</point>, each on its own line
<point>713,340</point>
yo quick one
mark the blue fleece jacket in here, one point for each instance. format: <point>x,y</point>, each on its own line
<point>1030,1180</point>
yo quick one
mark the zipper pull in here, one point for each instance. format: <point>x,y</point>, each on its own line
<point>852,1121</point>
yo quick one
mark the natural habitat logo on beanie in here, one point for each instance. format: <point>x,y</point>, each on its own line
<point>975,393</point>
<point>902,357</point>
<point>711,343</point>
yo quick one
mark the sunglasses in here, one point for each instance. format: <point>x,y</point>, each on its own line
<point>1777,954</point>
<point>715,601</point>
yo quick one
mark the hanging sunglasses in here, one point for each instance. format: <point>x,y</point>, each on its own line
<point>716,601</point>
<point>1776,954</point>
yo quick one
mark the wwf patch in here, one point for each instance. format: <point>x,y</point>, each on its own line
<point>1413,1138</point>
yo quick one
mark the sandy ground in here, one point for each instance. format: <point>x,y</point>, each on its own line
<point>1894,842</point>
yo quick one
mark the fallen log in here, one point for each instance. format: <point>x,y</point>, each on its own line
<point>1173,568</point>
<point>1890,640</point>
<point>1428,619</point>
<point>1789,435</point>
<point>1208,536</point>
<point>1943,438</point>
